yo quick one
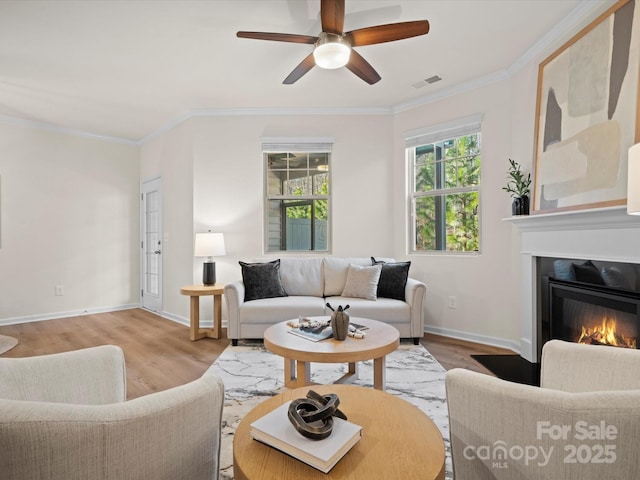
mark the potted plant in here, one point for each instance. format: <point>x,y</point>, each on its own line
<point>518,186</point>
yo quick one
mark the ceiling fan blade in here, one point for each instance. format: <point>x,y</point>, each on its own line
<point>332,16</point>
<point>387,33</point>
<point>358,65</point>
<point>303,67</point>
<point>278,37</point>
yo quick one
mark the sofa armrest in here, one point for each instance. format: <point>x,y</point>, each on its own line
<point>234,296</point>
<point>574,367</point>
<point>415,294</point>
<point>90,376</point>
<point>492,421</point>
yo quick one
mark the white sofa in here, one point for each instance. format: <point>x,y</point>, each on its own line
<point>309,284</point>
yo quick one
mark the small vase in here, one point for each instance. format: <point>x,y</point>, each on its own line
<point>340,324</point>
<point>520,205</point>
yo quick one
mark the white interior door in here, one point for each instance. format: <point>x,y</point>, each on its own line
<point>151,244</point>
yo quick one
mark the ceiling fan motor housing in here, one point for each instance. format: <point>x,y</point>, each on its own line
<point>331,50</point>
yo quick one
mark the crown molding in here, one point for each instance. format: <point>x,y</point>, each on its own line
<point>49,127</point>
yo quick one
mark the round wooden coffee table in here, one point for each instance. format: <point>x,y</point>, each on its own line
<point>398,441</point>
<point>380,340</point>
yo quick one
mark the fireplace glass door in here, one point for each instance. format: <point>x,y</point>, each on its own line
<point>593,314</point>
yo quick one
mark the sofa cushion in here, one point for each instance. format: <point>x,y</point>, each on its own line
<point>335,272</point>
<point>278,309</point>
<point>393,279</point>
<point>262,280</point>
<point>302,276</point>
<point>362,282</point>
<point>385,310</point>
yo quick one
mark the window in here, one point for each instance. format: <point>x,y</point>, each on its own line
<point>444,169</point>
<point>297,199</point>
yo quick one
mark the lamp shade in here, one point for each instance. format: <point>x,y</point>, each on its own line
<point>209,245</point>
<point>633,181</point>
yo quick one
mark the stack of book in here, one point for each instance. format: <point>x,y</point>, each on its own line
<point>275,429</point>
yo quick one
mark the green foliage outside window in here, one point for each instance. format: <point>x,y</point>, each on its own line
<point>447,176</point>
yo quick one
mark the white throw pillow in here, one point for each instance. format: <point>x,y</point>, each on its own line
<point>335,272</point>
<point>362,282</point>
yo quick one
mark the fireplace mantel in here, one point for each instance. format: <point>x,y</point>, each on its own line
<point>606,234</point>
<point>612,217</point>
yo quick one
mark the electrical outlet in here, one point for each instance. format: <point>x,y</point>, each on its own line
<point>59,290</point>
<point>453,302</point>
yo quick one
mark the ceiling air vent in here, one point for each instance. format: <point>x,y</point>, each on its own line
<point>426,81</point>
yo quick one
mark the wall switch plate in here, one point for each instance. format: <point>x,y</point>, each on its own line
<point>59,290</point>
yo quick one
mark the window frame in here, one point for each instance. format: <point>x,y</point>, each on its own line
<point>433,135</point>
<point>287,147</point>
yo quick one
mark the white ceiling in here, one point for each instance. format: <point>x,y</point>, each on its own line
<point>127,68</point>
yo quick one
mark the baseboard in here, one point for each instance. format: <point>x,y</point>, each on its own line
<point>474,337</point>
<point>71,313</point>
<point>186,322</point>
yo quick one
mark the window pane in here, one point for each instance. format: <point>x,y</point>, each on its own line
<point>321,184</point>
<point>275,181</point>
<point>301,223</point>
<point>305,225</point>
<point>451,173</point>
<point>299,183</point>
<point>319,162</point>
<point>298,160</point>
<point>425,208</point>
<point>446,219</point>
<point>462,222</point>
<point>277,160</point>
<point>425,177</point>
<point>469,171</point>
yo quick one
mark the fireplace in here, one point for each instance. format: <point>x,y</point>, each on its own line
<point>602,235</point>
<point>593,314</point>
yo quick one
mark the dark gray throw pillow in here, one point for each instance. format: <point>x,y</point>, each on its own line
<point>393,279</point>
<point>262,280</point>
<point>587,273</point>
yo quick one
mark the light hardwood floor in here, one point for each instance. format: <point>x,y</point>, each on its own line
<point>159,354</point>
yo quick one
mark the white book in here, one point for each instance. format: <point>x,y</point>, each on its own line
<point>276,430</point>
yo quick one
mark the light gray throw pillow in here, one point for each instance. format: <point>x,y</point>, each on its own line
<point>362,282</point>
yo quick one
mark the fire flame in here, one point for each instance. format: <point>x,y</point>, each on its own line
<point>605,334</point>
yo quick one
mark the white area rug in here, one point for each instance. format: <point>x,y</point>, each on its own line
<point>250,373</point>
<point>7,343</point>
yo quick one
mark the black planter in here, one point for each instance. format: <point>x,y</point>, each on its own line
<point>520,206</point>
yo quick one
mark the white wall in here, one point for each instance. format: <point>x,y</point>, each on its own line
<point>68,216</point>
<point>170,157</point>
<point>228,183</point>
<point>485,285</point>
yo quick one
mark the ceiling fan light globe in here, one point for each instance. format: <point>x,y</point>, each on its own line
<point>331,51</point>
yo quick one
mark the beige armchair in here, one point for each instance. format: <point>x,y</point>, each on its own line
<point>582,423</point>
<point>65,416</point>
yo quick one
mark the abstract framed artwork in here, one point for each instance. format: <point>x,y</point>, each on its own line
<point>587,114</point>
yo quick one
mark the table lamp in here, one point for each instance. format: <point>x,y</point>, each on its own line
<point>633,181</point>
<point>209,245</point>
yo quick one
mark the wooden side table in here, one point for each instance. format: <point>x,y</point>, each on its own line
<point>195,292</point>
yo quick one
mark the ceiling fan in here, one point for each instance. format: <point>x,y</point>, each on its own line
<point>333,48</point>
